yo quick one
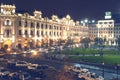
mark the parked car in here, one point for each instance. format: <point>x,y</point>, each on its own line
<point>3,71</point>
<point>42,67</point>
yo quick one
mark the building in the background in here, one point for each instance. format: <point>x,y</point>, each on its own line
<point>26,31</point>
<point>108,29</point>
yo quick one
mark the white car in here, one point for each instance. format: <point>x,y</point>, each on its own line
<point>3,71</point>
<point>22,63</point>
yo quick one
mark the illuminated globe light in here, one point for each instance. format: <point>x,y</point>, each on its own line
<point>86,20</point>
<point>93,21</point>
<point>81,21</point>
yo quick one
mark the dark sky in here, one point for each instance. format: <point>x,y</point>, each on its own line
<point>78,9</point>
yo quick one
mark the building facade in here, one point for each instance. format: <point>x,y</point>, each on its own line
<point>27,31</point>
<point>106,29</point>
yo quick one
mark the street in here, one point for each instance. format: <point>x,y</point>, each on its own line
<point>59,65</point>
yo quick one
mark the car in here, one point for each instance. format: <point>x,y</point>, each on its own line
<point>26,52</point>
<point>1,53</point>
<point>20,76</point>
<point>32,66</point>
<point>42,67</point>
<point>3,71</point>
<point>11,64</point>
<point>26,75</point>
<point>22,63</point>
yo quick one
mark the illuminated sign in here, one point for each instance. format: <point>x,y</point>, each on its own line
<point>107,15</point>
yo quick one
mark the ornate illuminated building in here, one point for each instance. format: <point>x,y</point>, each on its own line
<point>24,30</point>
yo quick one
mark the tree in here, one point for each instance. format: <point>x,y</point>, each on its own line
<point>51,42</point>
<point>86,42</point>
<point>98,41</point>
<point>118,41</point>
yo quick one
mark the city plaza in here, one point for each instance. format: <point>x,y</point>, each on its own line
<point>22,30</point>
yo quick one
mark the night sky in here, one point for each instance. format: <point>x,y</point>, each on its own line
<point>78,9</point>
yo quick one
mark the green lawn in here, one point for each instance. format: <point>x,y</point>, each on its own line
<point>78,51</point>
<point>107,59</point>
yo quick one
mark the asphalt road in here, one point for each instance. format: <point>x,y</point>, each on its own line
<point>108,73</point>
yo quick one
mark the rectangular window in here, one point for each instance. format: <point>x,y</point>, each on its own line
<point>105,22</point>
<point>31,33</point>
<point>26,24</point>
<point>50,33</point>
<point>26,33</point>
<point>32,25</point>
<point>19,23</point>
<point>54,34</point>
<point>37,25</point>
<point>50,27</point>
<point>110,22</point>
<point>42,33</point>
<point>19,32</point>
<point>60,28</point>
<point>100,23</point>
<point>38,33</point>
<point>46,26</point>
<point>41,26</point>
<point>8,32</point>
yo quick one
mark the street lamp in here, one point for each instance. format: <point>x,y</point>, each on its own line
<point>103,70</point>
<point>84,22</point>
<point>117,68</point>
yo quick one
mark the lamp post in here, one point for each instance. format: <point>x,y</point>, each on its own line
<point>59,44</point>
<point>117,68</point>
<point>103,70</point>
